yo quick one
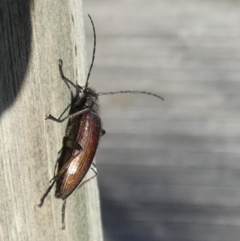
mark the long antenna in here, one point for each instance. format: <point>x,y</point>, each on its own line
<point>94,50</point>
<point>130,92</point>
<point>117,92</point>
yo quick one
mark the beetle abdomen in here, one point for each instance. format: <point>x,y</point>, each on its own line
<point>77,166</point>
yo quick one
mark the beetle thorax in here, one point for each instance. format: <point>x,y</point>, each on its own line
<point>91,99</point>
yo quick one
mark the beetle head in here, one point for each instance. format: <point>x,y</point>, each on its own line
<point>88,97</point>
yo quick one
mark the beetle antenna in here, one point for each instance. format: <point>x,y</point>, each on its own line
<point>130,92</point>
<point>94,50</point>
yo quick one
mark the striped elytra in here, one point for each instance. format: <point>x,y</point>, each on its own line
<point>71,173</point>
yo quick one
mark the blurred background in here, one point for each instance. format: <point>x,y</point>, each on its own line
<point>168,170</point>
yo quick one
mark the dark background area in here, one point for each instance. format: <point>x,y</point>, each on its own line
<point>168,170</point>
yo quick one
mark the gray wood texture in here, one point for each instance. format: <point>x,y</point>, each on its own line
<point>168,170</point>
<point>33,36</point>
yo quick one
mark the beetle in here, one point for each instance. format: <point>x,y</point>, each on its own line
<point>81,138</point>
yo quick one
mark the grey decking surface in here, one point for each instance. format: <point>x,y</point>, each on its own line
<point>168,170</point>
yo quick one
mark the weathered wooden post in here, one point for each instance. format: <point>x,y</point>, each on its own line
<point>34,35</point>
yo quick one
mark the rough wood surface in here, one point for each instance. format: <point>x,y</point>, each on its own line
<point>169,170</point>
<point>33,36</point>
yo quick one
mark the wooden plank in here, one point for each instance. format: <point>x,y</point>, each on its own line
<point>34,36</point>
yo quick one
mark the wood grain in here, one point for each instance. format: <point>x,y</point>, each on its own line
<point>34,35</point>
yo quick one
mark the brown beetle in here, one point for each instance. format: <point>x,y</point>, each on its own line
<point>81,138</point>
<point>79,144</point>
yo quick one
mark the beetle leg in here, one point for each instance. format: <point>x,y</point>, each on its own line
<point>46,193</point>
<point>59,151</point>
<point>55,169</point>
<point>50,117</point>
<point>94,168</point>
<point>102,132</point>
<point>64,111</point>
<point>59,118</point>
<point>63,213</point>
<point>65,79</point>
<point>89,179</point>
<point>78,113</point>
